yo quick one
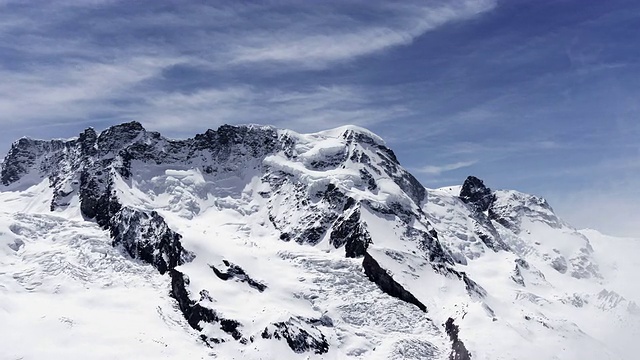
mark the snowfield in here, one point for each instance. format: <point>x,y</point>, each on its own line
<point>251,242</point>
<point>68,294</point>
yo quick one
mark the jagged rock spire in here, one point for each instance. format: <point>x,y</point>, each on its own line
<point>476,194</point>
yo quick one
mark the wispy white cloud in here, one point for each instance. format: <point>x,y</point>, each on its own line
<point>311,109</point>
<point>51,93</point>
<point>440,169</point>
<point>92,90</point>
<point>77,60</point>
<point>322,45</point>
<point>499,150</point>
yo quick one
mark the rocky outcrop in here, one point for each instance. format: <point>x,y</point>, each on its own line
<point>386,283</point>
<point>300,336</point>
<point>476,194</point>
<point>19,160</point>
<point>146,236</point>
<point>143,235</point>
<point>348,231</point>
<point>195,313</point>
<point>237,273</point>
<point>458,350</point>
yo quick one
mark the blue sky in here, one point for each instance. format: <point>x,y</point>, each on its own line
<point>540,96</point>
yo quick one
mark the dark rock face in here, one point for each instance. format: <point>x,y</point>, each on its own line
<point>385,282</point>
<point>476,194</point>
<point>119,136</point>
<point>87,140</point>
<point>146,236</point>
<point>473,289</point>
<point>458,350</point>
<point>28,155</point>
<point>351,233</point>
<point>236,272</point>
<point>429,243</point>
<point>22,157</point>
<point>196,313</point>
<point>367,178</point>
<point>96,202</point>
<point>297,337</point>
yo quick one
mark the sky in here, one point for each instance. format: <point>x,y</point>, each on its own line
<point>541,96</point>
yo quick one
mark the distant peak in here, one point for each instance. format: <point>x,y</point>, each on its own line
<point>472,181</point>
<point>253,127</point>
<point>132,127</point>
<point>88,133</point>
<point>475,193</point>
<point>116,136</point>
<point>244,127</point>
<point>346,132</point>
<point>128,126</point>
<point>23,141</point>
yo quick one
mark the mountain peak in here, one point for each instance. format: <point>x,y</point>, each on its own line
<point>360,132</point>
<point>128,126</point>
<point>475,193</point>
<point>132,127</point>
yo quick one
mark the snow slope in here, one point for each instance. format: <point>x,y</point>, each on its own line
<point>68,294</point>
<point>259,243</point>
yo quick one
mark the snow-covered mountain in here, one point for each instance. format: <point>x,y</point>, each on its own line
<point>259,243</point>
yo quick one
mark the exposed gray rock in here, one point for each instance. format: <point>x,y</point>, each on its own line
<point>196,313</point>
<point>237,273</point>
<point>299,336</point>
<point>349,232</point>
<point>458,350</point>
<point>476,194</point>
<point>386,283</point>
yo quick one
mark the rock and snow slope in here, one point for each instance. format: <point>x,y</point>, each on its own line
<point>254,242</point>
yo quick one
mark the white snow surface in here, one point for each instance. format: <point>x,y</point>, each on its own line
<point>67,293</point>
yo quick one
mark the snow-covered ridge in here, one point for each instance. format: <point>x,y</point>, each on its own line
<point>324,245</point>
